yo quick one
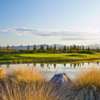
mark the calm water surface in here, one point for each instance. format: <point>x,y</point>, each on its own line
<point>50,69</point>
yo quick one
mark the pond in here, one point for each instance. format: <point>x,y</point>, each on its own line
<point>71,69</point>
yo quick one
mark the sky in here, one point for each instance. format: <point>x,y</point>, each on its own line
<point>28,22</point>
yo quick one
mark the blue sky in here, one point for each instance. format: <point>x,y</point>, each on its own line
<point>25,22</point>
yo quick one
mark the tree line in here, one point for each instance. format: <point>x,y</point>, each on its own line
<point>50,49</point>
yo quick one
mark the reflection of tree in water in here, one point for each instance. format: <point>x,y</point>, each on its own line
<point>71,65</point>
<point>74,65</point>
<point>28,64</point>
<point>97,62</point>
<point>42,65</point>
<point>54,66</point>
<point>48,66</point>
<point>34,64</point>
<point>77,64</point>
<point>8,65</point>
<point>64,65</point>
<point>82,63</point>
<point>88,63</point>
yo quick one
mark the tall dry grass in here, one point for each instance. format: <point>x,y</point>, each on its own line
<point>89,77</point>
<point>86,86</point>
<point>2,73</point>
<point>28,74</point>
<point>26,84</point>
<point>30,84</point>
<point>11,90</point>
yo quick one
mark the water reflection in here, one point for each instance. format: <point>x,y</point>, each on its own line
<point>8,65</point>
<point>42,65</point>
<point>64,65</point>
<point>50,69</point>
<point>34,64</point>
<point>97,63</point>
<point>55,66</point>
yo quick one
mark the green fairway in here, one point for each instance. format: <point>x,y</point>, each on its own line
<point>46,57</point>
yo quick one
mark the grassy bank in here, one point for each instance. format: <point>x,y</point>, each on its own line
<point>46,57</point>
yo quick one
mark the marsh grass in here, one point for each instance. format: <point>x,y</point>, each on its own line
<point>26,84</point>
<point>12,90</point>
<point>89,77</point>
<point>27,74</point>
<point>2,73</point>
<point>86,86</point>
<point>29,84</point>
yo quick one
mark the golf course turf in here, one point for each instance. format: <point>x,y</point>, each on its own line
<point>48,57</point>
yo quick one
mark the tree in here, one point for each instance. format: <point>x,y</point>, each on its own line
<point>28,47</point>
<point>54,49</point>
<point>64,49</point>
<point>34,48</point>
<point>8,47</point>
<point>47,48</point>
<point>41,48</point>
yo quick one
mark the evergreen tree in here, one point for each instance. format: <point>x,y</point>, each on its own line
<point>54,49</point>
<point>34,48</point>
<point>64,49</point>
<point>41,48</point>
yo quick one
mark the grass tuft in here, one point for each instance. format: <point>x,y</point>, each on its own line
<point>91,77</point>
<point>2,73</point>
<point>28,74</point>
<point>26,84</point>
<point>10,90</point>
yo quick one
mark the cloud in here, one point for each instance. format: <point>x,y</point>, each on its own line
<point>63,35</point>
<point>73,38</point>
<point>24,31</point>
<point>6,30</point>
<point>46,33</point>
<point>84,37</point>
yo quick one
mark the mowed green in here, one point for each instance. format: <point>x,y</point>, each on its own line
<point>48,57</point>
<point>66,55</point>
